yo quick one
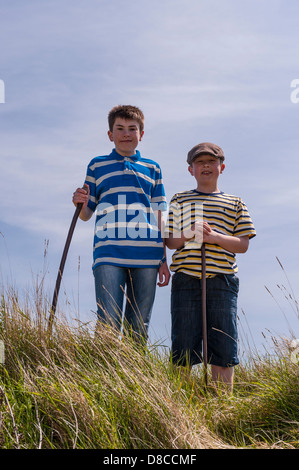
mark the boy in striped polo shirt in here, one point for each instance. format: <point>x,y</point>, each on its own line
<point>222,222</point>
<point>126,191</point>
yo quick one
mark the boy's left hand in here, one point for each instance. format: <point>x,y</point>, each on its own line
<point>164,275</point>
<point>208,233</point>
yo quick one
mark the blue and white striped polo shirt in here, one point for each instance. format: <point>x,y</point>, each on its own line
<point>125,192</point>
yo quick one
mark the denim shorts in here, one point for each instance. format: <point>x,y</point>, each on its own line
<point>186,319</point>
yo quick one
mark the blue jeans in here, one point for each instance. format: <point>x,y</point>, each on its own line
<point>221,308</point>
<point>111,282</point>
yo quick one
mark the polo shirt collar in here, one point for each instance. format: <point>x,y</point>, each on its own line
<point>134,158</point>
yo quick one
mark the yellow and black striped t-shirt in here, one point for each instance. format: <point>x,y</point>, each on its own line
<point>225,213</point>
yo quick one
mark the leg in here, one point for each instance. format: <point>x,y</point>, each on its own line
<point>141,290</point>
<point>109,282</point>
<point>186,324</point>
<point>224,376</point>
<point>222,328</point>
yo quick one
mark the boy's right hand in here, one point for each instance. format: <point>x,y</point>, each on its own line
<point>195,231</point>
<point>81,195</point>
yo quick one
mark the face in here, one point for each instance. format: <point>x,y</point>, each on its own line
<point>126,135</point>
<point>206,169</point>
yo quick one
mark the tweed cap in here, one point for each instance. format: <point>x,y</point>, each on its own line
<point>205,148</point>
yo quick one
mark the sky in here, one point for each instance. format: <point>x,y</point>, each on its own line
<point>222,71</point>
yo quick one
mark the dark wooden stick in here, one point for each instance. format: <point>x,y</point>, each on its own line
<point>62,263</point>
<point>204,311</point>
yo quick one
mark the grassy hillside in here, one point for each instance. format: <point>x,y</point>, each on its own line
<point>78,390</point>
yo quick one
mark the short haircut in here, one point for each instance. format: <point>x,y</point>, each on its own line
<point>126,112</point>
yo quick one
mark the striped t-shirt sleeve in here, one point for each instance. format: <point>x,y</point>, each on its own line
<point>91,181</point>
<point>243,224</point>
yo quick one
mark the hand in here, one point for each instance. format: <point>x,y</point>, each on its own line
<point>196,231</point>
<point>81,196</point>
<point>164,275</point>
<point>208,234</point>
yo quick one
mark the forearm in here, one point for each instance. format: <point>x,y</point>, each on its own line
<point>85,213</point>
<point>177,239</point>
<point>163,273</point>
<point>175,242</point>
<point>229,243</point>
<point>161,226</point>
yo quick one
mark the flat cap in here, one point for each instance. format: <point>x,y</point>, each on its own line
<point>205,148</point>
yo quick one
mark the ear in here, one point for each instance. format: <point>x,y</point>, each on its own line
<point>190,170</point>
<point>110,135</point>
<point>141,135</point>
<point>222,168</point>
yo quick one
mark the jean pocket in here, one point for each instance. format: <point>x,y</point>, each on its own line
<point>232,282</point>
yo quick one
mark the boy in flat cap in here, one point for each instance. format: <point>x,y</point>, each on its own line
<point>221,221</point>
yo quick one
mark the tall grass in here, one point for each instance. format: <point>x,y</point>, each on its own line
<point>80,388</point>
<point>76,389</point>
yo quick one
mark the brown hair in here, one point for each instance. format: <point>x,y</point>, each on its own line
<point>126,112</point>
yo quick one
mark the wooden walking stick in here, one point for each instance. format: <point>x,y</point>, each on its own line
<point>62,263</point>
<point>204,312</point>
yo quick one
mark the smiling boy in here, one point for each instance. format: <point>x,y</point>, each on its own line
<point>225,228</point>
<point>128,251</point>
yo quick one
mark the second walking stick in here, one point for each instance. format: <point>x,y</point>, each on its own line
<point>204,312</point>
